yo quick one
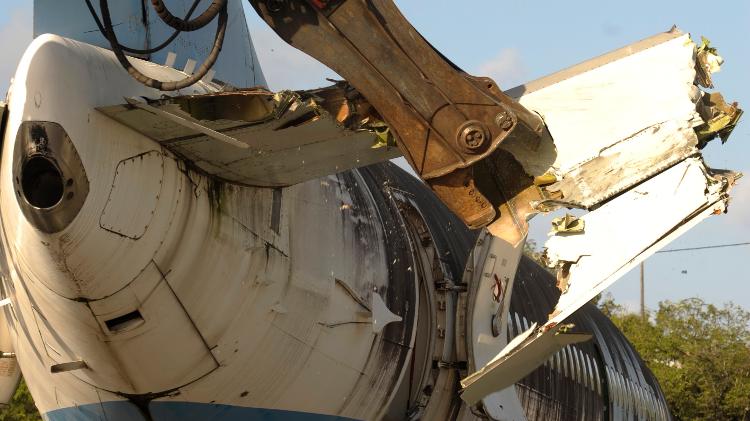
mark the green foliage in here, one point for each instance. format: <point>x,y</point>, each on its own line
<point>700,354</point>
<point>22,407</point>
<point>532,250</point>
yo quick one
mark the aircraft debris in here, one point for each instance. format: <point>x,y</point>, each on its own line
<point>522,356</point>
<point>628,128</point>
<point>186,122</point>
<point>720,117</point>
<point>260,138</point>
<point>708,62</point>
<point>568,224</point>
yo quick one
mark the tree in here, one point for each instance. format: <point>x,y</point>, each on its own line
<point>700,354</point>
<point>22,406</point>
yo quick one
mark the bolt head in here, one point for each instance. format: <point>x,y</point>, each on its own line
<point>472,136</point>
<point>504,120</point>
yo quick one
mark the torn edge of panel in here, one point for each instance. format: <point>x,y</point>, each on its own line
<point>642,189</point>
<point>240,108</point>
<point>522,356</point>
<point>260,138</point>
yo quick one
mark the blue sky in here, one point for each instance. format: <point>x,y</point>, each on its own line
<point>518,41</point>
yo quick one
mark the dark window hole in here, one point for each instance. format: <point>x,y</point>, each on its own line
<point>41,182</point>
<point>124,322</point>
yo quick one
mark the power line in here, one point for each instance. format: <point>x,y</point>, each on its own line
<point>717,246</point>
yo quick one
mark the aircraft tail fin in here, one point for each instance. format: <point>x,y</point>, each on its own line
<point>138,26</point>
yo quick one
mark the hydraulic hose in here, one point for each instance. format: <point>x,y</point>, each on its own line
<point>136,50</point>
<point>109,33</point>
<point>188,25</point>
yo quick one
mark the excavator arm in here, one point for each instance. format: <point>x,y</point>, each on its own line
<point>448,124</point>
<point>630,123</point>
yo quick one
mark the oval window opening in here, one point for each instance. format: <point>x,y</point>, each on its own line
<point>42,182</point>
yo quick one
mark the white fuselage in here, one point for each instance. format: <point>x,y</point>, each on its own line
<point>142,288</point>
<point>170,286</point>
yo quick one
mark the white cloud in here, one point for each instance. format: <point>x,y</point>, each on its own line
<point>506,69</point>
<point>16,34</point>
<point>284,66</point>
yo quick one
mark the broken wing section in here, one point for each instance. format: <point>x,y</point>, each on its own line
<point>640,222</point>
<point>616,121</point>
<point>628,128</point>
<point>259,138</point>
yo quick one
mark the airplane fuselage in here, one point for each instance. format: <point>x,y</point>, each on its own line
<point>142,288</point>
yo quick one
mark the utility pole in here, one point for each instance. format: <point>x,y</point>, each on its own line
<point>643,304</point>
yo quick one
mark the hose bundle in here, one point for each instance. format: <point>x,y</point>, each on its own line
<point>217,8</point>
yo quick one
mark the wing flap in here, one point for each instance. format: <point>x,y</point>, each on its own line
<point>256,137</point>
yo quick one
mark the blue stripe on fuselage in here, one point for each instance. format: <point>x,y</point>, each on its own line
<point>183,411</point>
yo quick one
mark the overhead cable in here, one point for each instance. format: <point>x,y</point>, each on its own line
<point>716,246</point>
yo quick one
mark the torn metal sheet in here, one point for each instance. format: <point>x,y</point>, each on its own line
<point>522,356</point>
<point>721,118</point>
<point>186,122</point>
<point>637,221</point>
<point>621,166</point>
<point>616,121</point>
<point>568,224</point>
<point>601,102</point>
<point>709,62</point>
<point>640,222</point>
<point>628,129</point>
<point>619,123</point>
<point>256,137</point>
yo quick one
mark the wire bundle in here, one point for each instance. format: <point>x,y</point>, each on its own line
<point>186,24</point>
